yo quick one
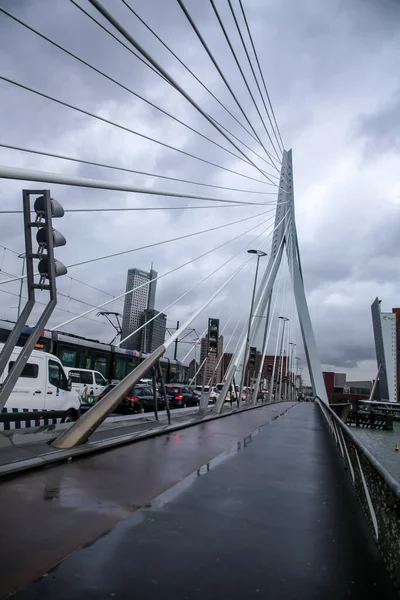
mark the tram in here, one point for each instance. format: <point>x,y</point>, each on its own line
<point>84,353</point>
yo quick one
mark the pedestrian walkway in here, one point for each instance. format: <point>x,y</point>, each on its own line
<point>277,520</point>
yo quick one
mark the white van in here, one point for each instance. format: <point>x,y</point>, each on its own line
<point>86,383</point>
<point>42,388</point>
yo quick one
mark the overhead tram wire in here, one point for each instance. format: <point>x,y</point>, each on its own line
<point>254,75</point>
<point>134,289</point>
<point>259,68</point>
<point>176,85</point>
<point>224,31</point>
<point>153,245</point>
<point>126,170</point>
<point>128,130</point>
<point>56,308</point>
<point>202,84</point>
<point>67,276</point>
<point>59,294</point>
<point>216,65</point>
<point>121,85</point>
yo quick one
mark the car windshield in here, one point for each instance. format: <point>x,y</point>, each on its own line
<point>146,390</point>
<point>107,389</point>
<point>172,390</point>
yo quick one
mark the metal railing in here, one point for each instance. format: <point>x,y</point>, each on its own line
<point>377,491</point>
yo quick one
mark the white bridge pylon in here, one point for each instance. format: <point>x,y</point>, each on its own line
<point>285,236</point>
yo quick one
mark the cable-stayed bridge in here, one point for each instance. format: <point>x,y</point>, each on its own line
<point>171,153</point>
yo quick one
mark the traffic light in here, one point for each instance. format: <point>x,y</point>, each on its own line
<point>46,209</point>
<point>213,334</point>
<point>252,356</point>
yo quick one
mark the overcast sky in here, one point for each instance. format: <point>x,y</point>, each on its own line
<point>332,73</point>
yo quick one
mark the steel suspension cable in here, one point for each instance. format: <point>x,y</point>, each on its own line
<point>97,4</point>
<point>191,289</point>
<point>224,31</point>
<point>92,18</point>
<point>216,65</point>
<point>43,176</point>
<point>133,131</point>
<point>175,239</point>
<point>195,77</point>
<point>126,170</point>
<point>118,83</point>
<point>204,332</point>
<point>165,274</point>
<point>259,68</point>
<point>255,77</point>
<point>163,78</point>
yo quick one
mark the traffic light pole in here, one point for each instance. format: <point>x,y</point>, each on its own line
<point>47,238</point>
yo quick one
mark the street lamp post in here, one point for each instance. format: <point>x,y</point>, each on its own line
<point>23,256</point>
<point>285,320</point>
<point>290,373</point>
<point>297,359</point>
<point>259,254</point>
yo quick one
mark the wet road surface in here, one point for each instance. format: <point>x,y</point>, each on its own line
<point>46,515</point>
<point>277,520</point>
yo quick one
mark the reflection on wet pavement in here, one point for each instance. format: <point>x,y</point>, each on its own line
<point>50,513</point>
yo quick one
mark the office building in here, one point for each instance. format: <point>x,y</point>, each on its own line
<point>212,361</point>
<point>153,334</point>
<point>252,371</point>
<point>396,312</point>
<point>385,333</point>
<point>136,303</point>
<point>193,366</point>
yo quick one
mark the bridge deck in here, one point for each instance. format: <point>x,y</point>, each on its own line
<point>277,520</point>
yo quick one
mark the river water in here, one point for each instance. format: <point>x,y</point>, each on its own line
<point>382,445</point>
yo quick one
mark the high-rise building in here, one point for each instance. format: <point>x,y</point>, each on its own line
<point>385,333</point>
<point>153,335</point>
<point>136,303</point>
<point>212,361</point>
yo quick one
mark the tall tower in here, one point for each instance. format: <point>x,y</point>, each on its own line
<point>136,303</point>
<point>385,333</point>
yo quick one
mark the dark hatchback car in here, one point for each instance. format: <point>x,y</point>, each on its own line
<point>180,395</point>
<point>138,400</point>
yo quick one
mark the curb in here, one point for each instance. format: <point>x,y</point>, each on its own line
<point>59,456</point>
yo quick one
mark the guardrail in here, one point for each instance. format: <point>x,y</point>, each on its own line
<point>377,491</point>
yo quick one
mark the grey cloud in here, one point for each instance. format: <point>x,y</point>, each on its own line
<point>315,58</point>
<point>380,130</point>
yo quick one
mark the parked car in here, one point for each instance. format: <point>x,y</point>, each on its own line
<point>214,393</point>
<point>180,395</point>
<point>42,388</point>
<point>139,399</point>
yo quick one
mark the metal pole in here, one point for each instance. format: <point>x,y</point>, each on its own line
<point>176,343</point>
<point>280,368</point>
<point>263,352</point>
<point>23,256</point>
<point>246,350</point>
<point>290,372</point>
<point>374,384</point>
<point>195,364</point>
<point>164,391</point>
<point>204,396</point>
<point>155,395</point>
